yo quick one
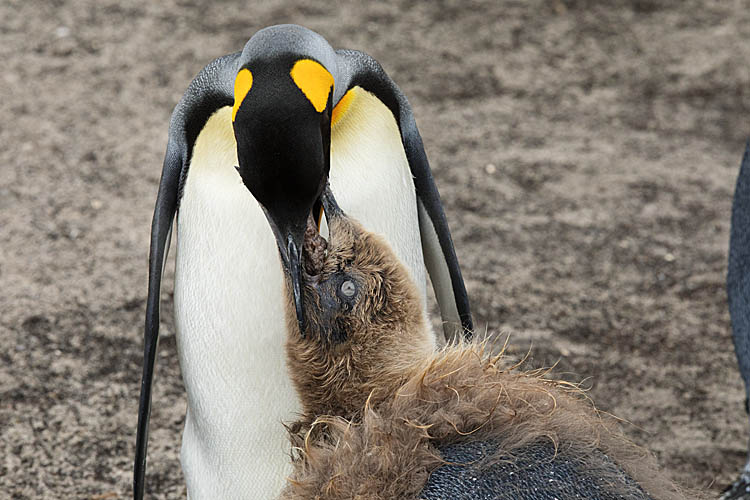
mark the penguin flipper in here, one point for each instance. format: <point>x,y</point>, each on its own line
<point>161,230</point>
<point>209,91</point>
<point>738,269</point>
<point>357,69</point>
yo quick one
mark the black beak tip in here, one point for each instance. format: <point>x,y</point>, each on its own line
<point>300,314</point>
<point>295,272</point>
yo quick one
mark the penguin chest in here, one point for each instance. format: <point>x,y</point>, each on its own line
<point>229,296</point>
<point>229,316</point>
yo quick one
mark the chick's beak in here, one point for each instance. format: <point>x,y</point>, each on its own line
<point>330,207</point>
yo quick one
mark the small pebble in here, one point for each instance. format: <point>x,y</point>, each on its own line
<point>669,257</point>
<point>490,168</point>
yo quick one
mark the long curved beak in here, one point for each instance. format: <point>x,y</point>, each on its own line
<point>289,228</point>
<point>294,267</point>
<point>289,233</point>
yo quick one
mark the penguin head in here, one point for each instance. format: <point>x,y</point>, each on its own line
<point>281,116</point>
<point>364,318</point>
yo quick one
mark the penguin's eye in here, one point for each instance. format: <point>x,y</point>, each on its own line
<point>348,289</point>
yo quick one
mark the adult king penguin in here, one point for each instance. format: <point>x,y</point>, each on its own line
<point>738,291</point>
<point>277,120</point>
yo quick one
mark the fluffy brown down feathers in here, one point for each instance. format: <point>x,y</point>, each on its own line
<point>378,399</point>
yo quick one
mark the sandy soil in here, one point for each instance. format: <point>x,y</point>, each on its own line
<point>586,156</point>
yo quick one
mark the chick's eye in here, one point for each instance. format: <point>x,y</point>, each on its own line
<point>348,289</point>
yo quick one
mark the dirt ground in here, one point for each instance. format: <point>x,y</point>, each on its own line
<point>585,151</point>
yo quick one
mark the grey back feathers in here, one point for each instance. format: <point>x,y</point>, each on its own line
<point>539,473</point>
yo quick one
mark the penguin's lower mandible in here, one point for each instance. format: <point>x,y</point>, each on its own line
<point>387,417</point>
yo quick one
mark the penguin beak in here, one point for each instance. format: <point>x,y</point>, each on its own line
<point>289,234</point>
<point>295,273</point>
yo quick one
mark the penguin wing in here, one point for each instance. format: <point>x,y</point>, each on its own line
<point>738,273</point>
<point>209,91</point>
<point>357,69</point>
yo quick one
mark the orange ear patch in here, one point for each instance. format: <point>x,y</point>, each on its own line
<point>343,105</point>
<point>314,81</point>
<point>242,85</point>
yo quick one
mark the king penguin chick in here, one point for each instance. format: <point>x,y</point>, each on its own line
<point>387,417</point>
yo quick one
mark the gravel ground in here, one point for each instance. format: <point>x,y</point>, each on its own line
<point>586,154</point>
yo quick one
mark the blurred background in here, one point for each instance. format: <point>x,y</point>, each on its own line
<point>586,153</point>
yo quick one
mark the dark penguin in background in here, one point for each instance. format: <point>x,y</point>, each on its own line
<point>387,417</point>
<point>738,291</point>
<point>252,143</point>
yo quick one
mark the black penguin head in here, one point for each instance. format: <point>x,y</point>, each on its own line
<point>283,95</point>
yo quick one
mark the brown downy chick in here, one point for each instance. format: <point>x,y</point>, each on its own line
<point>383,409</point>
<point>364,327</point>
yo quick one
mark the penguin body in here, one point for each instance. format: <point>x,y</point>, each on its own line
<point>228,282</point>
<point>385,416</point>
<point>738,292</point>
<point>229,310</point>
